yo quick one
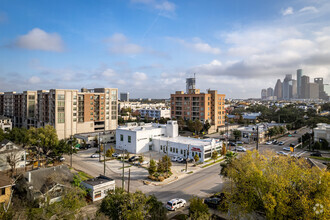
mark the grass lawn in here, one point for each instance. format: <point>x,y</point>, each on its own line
<point>320,158</point>
<point>84,176</point>
<point>217,161</point>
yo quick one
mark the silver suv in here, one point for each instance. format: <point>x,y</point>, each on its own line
<point>174,204</point>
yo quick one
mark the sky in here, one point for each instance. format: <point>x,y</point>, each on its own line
<point>149,47</point>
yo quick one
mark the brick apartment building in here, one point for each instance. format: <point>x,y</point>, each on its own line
<point>201,106</point>
<point>69,111</point>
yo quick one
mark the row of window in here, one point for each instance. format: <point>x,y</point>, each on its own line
<point>176,150</point>
<point>129,138</point>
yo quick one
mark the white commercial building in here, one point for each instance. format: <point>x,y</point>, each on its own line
<point>322,131</point>
<point>140,138</point>
<point>155,113</point>
<point>138,105</point>
<point>5,123</point>
<point>99,187</point>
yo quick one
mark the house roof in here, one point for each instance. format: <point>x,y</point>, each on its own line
<point>2,117</point>
<point>5,181</point>
<point>98,180</point>
<point>4,143</point>
<point>43,179</point>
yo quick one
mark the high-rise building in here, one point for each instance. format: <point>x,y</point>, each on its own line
<point>287,87</point>
<point>294,92</point>
<point>278,90</point>
<point>201,106</point>
<point>299,75</point>
<point>263,94</point>
<point>313,90</point>
<point>69,111</point>
<point>326,88</point>
<point>322,94</point>
<point>270,92</point>
<point>304,87</point>
<point>124,97</point>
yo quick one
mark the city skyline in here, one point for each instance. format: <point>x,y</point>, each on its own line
<point>139,45</point>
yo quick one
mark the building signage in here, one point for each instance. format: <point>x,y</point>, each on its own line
<point>196,149</point>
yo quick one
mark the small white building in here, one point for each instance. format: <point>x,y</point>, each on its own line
<point>99,187</point>
<point>155,113</point>
<point>9,150</point>
<point>140,138</point>
<point>5,123</point>
<point>322,131</point>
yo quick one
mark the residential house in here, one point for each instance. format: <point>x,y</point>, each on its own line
<point>99,187</point>
<point>12,156</point>
<point>6,184</point>
<point>5,123</point>
<point>46,184</point>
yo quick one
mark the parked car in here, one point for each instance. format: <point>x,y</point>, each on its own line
<point>231,144</point>
<point>282,153</point>
<point>275,142</point>
<point>316,154</point>
<point>212,202</point>
<point>188,160</point>
<point>174,204</point>
<point>240,149</point>
<point>179,159</point>
<point>134,158</point>
<point>115,155</point>
<point>61,159</point>
<point>239,142</point>
<point>286,148</point>
<point>175,158</point>
<point>281,143</point>
<point>269,143</point>
<point>95,156</point>
<point>145,162</point>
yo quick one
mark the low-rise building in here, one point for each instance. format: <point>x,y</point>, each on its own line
<point>10,153</point>
<point>322,131</point>
<point>155,113</point>
<point>99,187</point>
<point>140,138</point>
<point>6,184</point>
<point>5,123</point>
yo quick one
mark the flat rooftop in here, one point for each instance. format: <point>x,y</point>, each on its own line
<point>186,140</point>
<point>143,127</point>
<point>98,180</point>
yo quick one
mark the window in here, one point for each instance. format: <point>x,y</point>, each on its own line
<point>129,139</point>
<point>75,97</point>
<point>181,151</point>
<point>60,97</point>
<point>91,119</point>
<point>91,97</point>
<point>161,147</point>
<point>176,150</point>
<point>91,103</point>
<point>97,194</point>
<point>22,158</point>
<point>3,191</point>
<point>170,149</point>
<point>74,119</point>
<point>121,137</point>
<point>91,113</point>
<point>200,156</point>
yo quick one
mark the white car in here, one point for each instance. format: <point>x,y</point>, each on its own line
<point>286,148</point>
<point>269,143</point>
<point>175,158</point>
<point>174,204</point>
<point>145,162</point>
<point>95,156</point>
<point>282,153</point>
<point>240,149</point>
<point>179,159</point>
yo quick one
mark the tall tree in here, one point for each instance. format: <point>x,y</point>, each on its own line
<point>237,134</point>
<point>197,209</point>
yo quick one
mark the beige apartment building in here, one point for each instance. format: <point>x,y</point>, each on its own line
<point>69,111</point>
<point>201,106</point>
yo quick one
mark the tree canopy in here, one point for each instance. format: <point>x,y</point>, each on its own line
<point>277,187</point>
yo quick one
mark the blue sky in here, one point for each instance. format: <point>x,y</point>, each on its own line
<point>149,47</point>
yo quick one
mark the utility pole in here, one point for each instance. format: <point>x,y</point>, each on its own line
<point>99,142</point>
<point>104,161</point>
<point>187,160</point>
<point>257,146</point>
<point>167,158</point>
<point>71,153</point>
<point>123,181</point>
<point>227,134</point>
<point>129,179</point>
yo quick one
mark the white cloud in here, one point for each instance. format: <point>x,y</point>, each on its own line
<point>288,11</point>
<point>157,4</point>
<point>37,39</point>
<point>34,80</point>
<point>197,45</point>
<point>109,73</point>
<point>139,76</point>
<point>119,45</point>
<point>309,9</point>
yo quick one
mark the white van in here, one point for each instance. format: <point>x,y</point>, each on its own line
<point>174,204</point>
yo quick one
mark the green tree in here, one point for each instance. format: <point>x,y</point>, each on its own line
<point>317,145</point>
<point>223,149</point>
<point>152,167</point>
<point>110,151</point>
<point>237,134</point>
<point>214,155</point>
<point>141,159</point>
<point>277,187</point>
<point>181,123</point>
<point>2,135</point>
<point>196,158</point>
<point>132,206</point>
<point>195,126</point>
<point>197,209</point>
<point>164,164</point>
<point>229,157</point>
